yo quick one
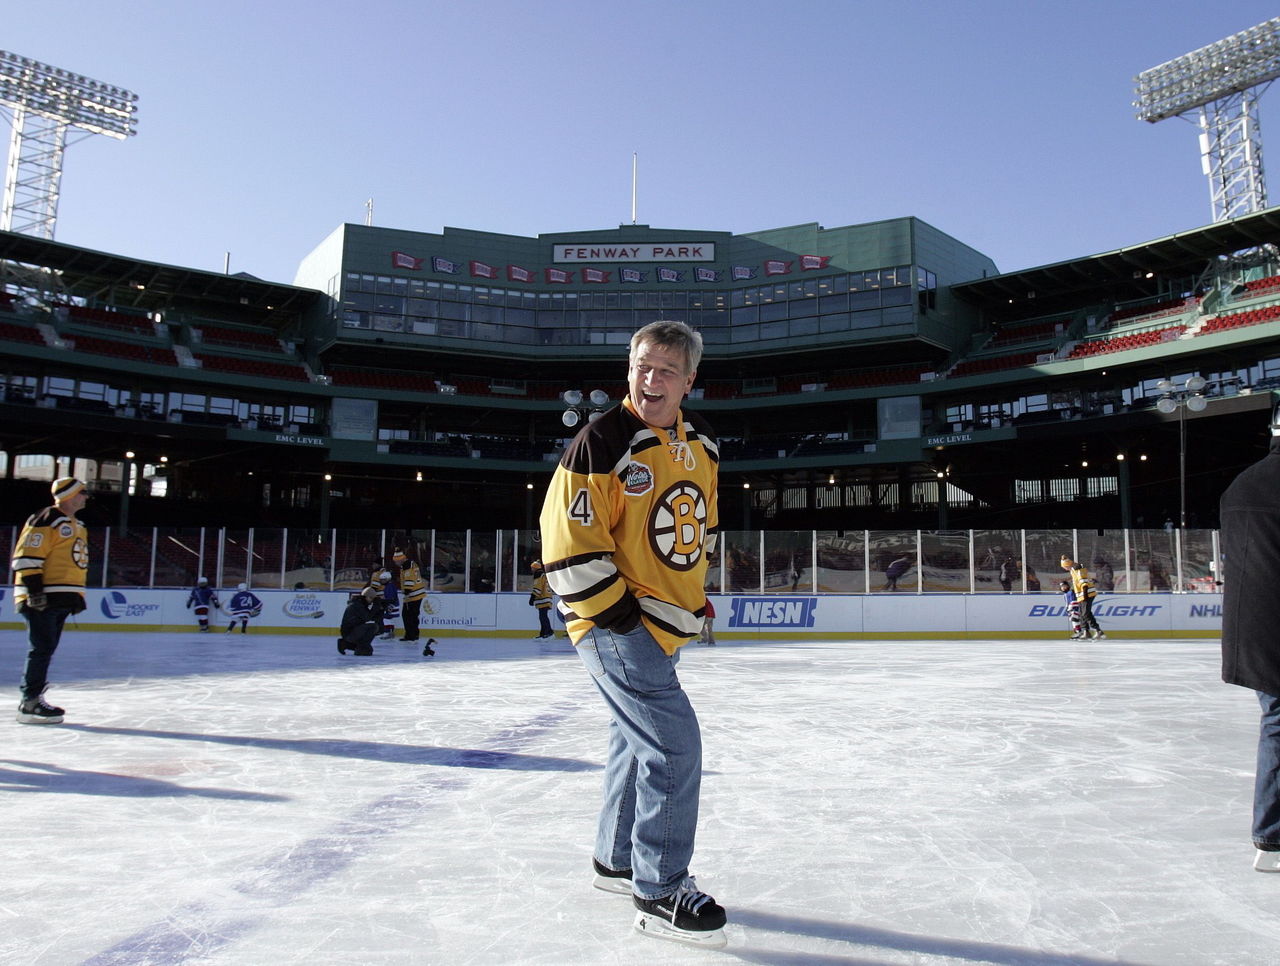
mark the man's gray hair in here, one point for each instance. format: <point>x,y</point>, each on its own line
<point>670,335</point>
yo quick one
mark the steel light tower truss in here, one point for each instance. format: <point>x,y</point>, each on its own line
<point>1218,87</point>
<point>47,103</point>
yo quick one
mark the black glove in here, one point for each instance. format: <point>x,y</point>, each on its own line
<point>533,599</point>
<point>37,601</point>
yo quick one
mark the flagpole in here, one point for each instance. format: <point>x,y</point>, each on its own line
<point>633,187</point>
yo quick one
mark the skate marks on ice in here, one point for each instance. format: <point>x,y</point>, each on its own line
<point>199,930</point>
<point>897,803</point>
<point>1012,802</point>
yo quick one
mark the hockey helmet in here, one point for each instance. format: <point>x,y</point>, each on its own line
<point>203,580</point>
<point>242,586</point>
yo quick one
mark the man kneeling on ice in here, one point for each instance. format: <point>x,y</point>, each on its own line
<point>361,622</point>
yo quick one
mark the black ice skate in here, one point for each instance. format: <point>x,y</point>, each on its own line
<point>427,649</point>
<point>38,711</point>
<point>617,881</point>
<point>686,916</point>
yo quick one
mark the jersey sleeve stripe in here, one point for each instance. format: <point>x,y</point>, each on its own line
<point>674,620</point>
<point>586,583</point>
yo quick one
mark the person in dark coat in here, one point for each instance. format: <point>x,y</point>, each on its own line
<point>361,622</point>
<point>1250,515</point>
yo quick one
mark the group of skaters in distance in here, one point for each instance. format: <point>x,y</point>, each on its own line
<point>629,519</point>
<point>243,605</point>
<point>372,612</point>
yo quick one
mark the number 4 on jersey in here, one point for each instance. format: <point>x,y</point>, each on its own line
<point>580,508</point>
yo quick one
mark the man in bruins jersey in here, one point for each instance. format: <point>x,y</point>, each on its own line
<point>414,588</point>
<point>50,563</point>
<point>627,523</point>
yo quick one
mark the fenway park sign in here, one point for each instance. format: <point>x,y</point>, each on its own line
<point>647,252</point>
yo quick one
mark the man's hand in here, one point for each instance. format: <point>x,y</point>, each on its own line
<point>37,601</point>
<point>626,617</point>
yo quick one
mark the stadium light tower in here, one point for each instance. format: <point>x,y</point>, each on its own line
<point>47,102</point>
<point>1220,85</point>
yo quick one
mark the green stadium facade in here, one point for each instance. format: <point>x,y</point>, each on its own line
<point>883,376</point>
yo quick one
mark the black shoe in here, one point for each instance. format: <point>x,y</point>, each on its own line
<point>342,646</point>
<point>611,880</point>
<point>687,916</point>
<point>38,711</point>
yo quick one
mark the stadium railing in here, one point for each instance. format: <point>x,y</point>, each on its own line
<point>745,562</point>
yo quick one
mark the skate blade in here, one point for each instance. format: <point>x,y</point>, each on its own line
<point>619,887</point>
<point>36,719</point>
<point>1267,861</point>
<point>661,929</point>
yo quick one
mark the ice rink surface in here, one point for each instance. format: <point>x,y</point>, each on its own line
<point>253,799</point>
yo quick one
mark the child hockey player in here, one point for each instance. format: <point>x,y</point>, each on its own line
<point>201,599</point>
<point>384,582</point>
<point>244,605</point>
<point>1073,609</point>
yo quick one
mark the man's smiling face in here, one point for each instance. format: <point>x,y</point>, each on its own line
<point>657,382</point>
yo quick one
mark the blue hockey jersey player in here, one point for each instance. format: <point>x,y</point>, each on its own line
<point>244,605</point>
<point>201,599</point>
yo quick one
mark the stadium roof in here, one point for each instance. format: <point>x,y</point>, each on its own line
<point>1139,271</point>
<point>152,285</point>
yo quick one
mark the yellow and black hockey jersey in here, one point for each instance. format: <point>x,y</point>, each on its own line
<point>630,515</point>
<point>1081,583</point>
<point>412,585</point>
<point>540,592</point>
<point>52,558</point>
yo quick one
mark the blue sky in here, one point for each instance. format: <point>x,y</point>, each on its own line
<point>262,126</point>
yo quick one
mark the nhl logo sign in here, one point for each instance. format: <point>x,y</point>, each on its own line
<point>638,480</point>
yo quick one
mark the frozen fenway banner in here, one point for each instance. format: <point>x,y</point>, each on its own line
<point>745,617</point>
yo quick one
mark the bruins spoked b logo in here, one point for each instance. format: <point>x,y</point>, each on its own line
<point>678,526</point>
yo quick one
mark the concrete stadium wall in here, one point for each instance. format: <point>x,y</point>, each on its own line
<point>843,616</point>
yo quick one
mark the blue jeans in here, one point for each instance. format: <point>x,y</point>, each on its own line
<point>1266,787</point>
<point>44,630</point>
<point>654,771</point>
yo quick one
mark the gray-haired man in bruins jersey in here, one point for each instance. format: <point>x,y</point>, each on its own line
<point>628,520</point>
